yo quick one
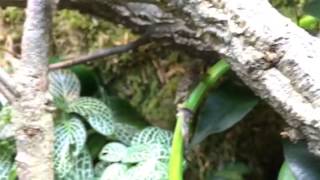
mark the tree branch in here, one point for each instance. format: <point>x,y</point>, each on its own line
<point>8,83</point>
<point>7,95</point>
<point>10,52</point>
<point>33,123</point>
<point>100,54</point>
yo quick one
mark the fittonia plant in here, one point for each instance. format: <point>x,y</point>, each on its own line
<point>146,158</point>
<point>136,153</point>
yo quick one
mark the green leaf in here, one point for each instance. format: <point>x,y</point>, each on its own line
<point>82,167</point>
<point>64,86</point>
<point>286,173</point>
<point>13,173</point>
<point>137,153</point>
<point>6,128</point>
<point>62,162</point>
<point>148,170</point>
<point>96,112</point>
<point>308,22</point>
<point>70,138</point>
<point>124,132</point>
<point>71,133</point>
<point>5,115</point>
<point>115,171</point>
<point>143,152</point>
<point>312,7</point>
<point>87,77</point>
<point>100,167</point>
<point>152,135</point>
<point>113,152</point>
<point>304,165</point>
<point>223,108</point>
<point>6,161</point>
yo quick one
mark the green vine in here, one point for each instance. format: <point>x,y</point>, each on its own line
<point>191,104</point>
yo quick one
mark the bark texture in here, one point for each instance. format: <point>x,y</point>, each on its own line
<point>33,122</point>
<point>273,56</point>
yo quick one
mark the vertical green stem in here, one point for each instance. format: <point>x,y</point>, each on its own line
<point>176,156</point>
<point>192,103</point>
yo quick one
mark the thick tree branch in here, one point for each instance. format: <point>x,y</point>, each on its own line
<point>34,125</point>
<point>278,60</point>
<point>100,54</point>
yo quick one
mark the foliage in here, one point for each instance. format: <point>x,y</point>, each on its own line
<point>70,141</point>
<point>6,159</point>
<point>185,114</point>
<point>96,112</point>
<point>149,148</point>
<point>301,163</point>
<point>223,109</point>
<point>286,173</point>
<point>85,124</point>
<point>141,146</point>
<point>70,153</point>
<point>308,22</point>
<point>5,115</point>
<point>64,87</point>
<point>312,8</point>
<point>146,158</point>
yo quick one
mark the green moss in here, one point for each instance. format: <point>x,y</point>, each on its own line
<point>13,15</point>
<point>289,8</point>
<point>140,85</point>
<point>75,33</point>
<point>148,81</point>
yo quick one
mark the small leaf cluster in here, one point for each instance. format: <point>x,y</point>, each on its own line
<point>7,149</point>
<point>146,158</point>
<point>135,153</point>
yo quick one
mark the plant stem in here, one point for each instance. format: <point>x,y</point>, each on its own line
<point>176,156</point>
<point>183,117</point>
<point>213,75</point>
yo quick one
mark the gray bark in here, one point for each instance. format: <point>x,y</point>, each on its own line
<point>273,56</point>
<point>33,122</point>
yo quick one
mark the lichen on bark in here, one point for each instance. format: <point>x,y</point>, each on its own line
<point>31,118</point>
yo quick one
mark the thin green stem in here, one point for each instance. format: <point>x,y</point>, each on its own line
<point>213,75</point>
<point>176,156</point>
<point>192,103</point>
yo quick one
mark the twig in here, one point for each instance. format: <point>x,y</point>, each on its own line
<point>6,94</point>
<point>100,54</point>
<point>16,55</point>
<point>7,82</point>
